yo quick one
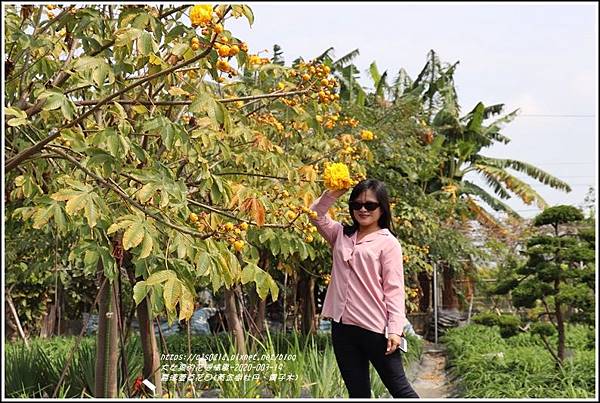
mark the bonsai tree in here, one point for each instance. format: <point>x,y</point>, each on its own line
<point>557,276</point>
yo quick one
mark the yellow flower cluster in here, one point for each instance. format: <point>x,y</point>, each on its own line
<point>337,177</point>
<point>255,59</point>
<point>271,120</point>
<point>346,139</point>
<point>367,135</point>
<point>201,14</point>
<point>351,122</point>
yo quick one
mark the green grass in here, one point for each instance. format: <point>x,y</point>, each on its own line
<point>486,365</point>
<point>34,372</point>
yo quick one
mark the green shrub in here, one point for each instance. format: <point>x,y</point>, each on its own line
<point>488,366</point>
<point>508,324</point>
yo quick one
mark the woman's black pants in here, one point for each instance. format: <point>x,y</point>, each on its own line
<point>354,347</point>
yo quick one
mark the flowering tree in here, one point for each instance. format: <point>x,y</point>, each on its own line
<point>166,148</point>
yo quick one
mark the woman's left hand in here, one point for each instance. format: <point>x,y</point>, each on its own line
<point>393,343</point>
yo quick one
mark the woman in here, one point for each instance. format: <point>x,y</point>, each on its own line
<point>365,298</point>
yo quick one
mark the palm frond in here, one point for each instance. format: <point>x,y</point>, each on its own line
<point>401,83</point>
<point>493,130</point>
<point>472,189</point>
<point>381,85</point>
<point>532,171</point>
<point>375,75</point>
<point>492,110</point>
<point>344,60</point>
<point>485,218</point>
<point>515,185</point>
<point>432,64</point>
<point>476,117</point>
<point>493,182</point>
<point>328,54</point>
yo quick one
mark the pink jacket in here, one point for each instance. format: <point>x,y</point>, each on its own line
<point>367,279</point>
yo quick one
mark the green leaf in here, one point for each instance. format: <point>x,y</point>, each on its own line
<point>147,191</point>
<point>54,100</point>
<point>140,290</point>
<point>160,276</point>
<point>145,43</point>
<point>41,217</point>
<point>146,246</point>
<point>126,36</point>
<point>67,107</point>
<point>202,262</point>
<point>133,235</point>
<point>273,288</point>
<point>14,122</point>
<point>247,11</point>
<point>14,111</point>
<point>164,199</point>
<point>117,226</point>
<point>476,118</point>
<point>186,304</point>
<point>171,293</point>
<point>76,203</point>
<point>100,73</point>
<point>248,273</point>
<point>90,212</point>
<point>84,63</point>
<point>59,218</point>
<point>91,257</point>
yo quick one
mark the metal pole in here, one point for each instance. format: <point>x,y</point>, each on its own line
<point>435,302</point>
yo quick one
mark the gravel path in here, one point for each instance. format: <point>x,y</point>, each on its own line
<point>429,378</point>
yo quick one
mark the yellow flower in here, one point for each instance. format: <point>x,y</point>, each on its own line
<point>337,176</point>
<point>366,135</point>
<point>346,139</point>
<point>223,66</point>
<point>254,59</point>
<point>201,14</point>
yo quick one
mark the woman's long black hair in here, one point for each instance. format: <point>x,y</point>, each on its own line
<point>383,198</point>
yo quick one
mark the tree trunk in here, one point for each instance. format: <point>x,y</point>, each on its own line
<point>49,321</point>
<point>13,310</point>
<point>425,286</point>
<point>107,340</point>
<point>256,310</point>
<point>449,297</point>
<point>233,321</point>
<point>149,346</point>
<point>309,308</point>
<point>260,318</point>
<point>294,303</point>
<point>151,370</point>
<point>560,324</point>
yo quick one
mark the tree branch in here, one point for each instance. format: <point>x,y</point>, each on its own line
<point>60,78</point>
<point>110,184</point>
<point>550,349</point>
<point>171,103</point>
<point>548,312</point>
<point>214,210</point>
<point>16,160</point>
<point>161,16</point>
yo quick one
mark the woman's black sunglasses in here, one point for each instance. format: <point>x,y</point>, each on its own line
<point>370,206</point>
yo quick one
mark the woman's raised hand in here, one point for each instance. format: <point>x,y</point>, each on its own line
<point>337,193</point>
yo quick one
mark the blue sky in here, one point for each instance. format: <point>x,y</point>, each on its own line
<point>539,57</point>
